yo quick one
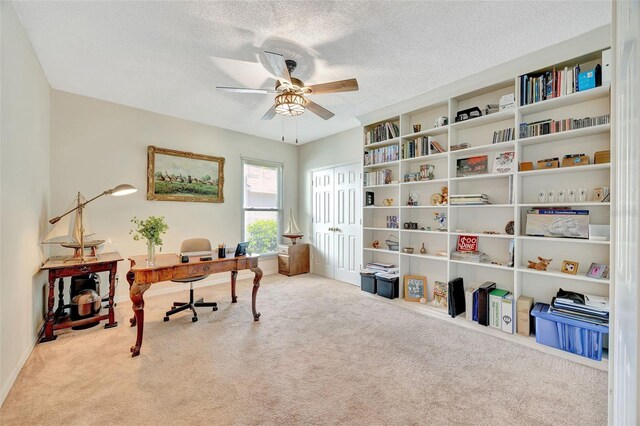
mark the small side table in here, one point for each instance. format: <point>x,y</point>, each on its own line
<point>293,259</point>
<point>58,270</point>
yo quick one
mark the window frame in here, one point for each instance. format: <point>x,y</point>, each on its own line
<point>280,209</point>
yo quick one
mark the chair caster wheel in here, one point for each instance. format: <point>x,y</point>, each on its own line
<point>166,319</point>
<point>194,319</point>
<point>215,308</point>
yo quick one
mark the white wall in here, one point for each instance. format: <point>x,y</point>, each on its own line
<point>24,186</point>
<point>96,145</point>
<point>341,148</point>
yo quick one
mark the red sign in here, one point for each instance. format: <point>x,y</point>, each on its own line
<point>467,243</point>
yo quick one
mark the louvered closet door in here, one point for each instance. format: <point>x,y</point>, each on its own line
<point>322,205</point>
<point>347,223</point>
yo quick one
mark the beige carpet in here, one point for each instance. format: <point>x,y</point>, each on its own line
<point>322,353</point>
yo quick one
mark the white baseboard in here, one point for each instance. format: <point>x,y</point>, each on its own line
<point>222,279</point>
<point>6,386</point>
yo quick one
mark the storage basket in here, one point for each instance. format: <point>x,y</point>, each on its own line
<point>578,337</point>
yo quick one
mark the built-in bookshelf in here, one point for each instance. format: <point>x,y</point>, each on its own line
<point>422,170</point>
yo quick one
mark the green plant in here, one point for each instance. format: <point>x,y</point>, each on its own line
<point>149,229</point>
<point>262,236</point>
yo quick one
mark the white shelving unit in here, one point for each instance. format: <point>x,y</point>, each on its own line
<point>478,220</point>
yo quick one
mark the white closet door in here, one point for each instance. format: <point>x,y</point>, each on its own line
<point>626,345</point>
<point>347,223</point>
<point>322,246</point>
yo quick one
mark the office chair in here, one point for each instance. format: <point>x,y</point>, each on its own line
<point>190,246</point>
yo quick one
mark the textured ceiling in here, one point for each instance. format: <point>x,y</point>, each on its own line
<point>167,57</point>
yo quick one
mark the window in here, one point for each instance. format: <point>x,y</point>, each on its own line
<point>262,205</point>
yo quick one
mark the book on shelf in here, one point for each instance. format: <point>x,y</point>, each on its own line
<point>381,155</point>
<point>547,126</point>
<point>381,132</point>
<point>458,147</point>
<point>549,84</point>
<point>557,223</point>
<point>495,307</point>
<point>468,299</point>
<point>468,199</point>
<point>483,302</point>
<point>507,314</point>
<point>435,146</point>
<point>474,257</point>
<point>474,311</point>
<point>456,297</point>
<point>504,135</point>
<point>378,177</point>
<point>472,166</point>
<point>504,162</point>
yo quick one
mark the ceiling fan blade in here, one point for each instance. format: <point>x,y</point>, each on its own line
<point>270,114</point>
<point>246,90</point>
<point>278,65</point>
<point>333,87</point>
<point>318,110</point>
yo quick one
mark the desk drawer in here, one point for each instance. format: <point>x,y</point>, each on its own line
<point>200,269</point>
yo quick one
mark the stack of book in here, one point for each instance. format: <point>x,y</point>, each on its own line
<point>544,127</point>
<point>381,132</point>
<point>468,199</point>
<point>435,147</point>
<point>504,135</point>
<point>491,108</point>
<point>415,148</point>
<point>583,307</point>
<point>379,177</point>
<point>470,256</point>
<point>380,267</point>
<point>459,146</point>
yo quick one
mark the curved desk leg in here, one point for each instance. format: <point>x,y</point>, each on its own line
<point>130,278</point>
<point>136,293</point>
<point>256,285</point>
<point>234,275</point>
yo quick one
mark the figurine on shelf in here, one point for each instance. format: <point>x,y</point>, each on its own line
<point>510,228</point>
<point>445,195</point>
<point>441,218</point>
<point>375,244</point>
<point>541,265</point>
<point>413,199</point>
<point>388,202</point>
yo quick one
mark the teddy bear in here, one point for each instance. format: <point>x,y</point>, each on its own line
<point>445,195</point>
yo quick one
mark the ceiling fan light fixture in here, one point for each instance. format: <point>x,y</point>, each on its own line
<point>290,104</point>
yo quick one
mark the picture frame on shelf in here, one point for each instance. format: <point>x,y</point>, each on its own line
<point>440,295</point>
<point>598,271</point>
<point>415,288</point>
<point>569,267</point>
<point>472,166</point>
<point>504,162</point>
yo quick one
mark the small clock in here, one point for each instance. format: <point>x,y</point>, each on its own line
<point>436,199</point>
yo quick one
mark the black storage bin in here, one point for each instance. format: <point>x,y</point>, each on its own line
<point>387,287</point>
<point>368,283</point>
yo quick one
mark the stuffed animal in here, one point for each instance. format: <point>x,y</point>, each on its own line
<point>445,195</point>
<point>541,265</point>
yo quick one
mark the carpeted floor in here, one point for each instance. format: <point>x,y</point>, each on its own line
<point>322,353</point>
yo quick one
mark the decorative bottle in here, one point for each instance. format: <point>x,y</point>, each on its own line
<point>423,250</point>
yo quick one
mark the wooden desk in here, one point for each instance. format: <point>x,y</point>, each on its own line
<point>168,267</point>
<point>59,269</point>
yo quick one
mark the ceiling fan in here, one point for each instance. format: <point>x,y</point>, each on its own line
<point>291,93</point>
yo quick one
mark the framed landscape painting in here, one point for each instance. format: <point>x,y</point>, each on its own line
<point>184,176</point>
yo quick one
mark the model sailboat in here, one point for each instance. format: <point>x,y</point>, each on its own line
<point>293,231</point>
<point>73,231</point>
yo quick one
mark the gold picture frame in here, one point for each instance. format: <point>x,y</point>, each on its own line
<point>184,176</point>
<point>570,267</point>
<point>415,288</point>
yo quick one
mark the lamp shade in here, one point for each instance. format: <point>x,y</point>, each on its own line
<point>123,189</point>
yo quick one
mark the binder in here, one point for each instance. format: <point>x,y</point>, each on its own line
<point>495,307</point>
<point>507,314</point>
<point>468,301</point>
<point>483,302</point>
<point>456,297</point>
<point>475,306</point>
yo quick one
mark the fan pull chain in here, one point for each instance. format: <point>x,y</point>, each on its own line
<point>296,129</point>
<point>282,129</point>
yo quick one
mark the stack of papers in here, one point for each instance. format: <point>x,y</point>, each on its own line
<point>583,307</point>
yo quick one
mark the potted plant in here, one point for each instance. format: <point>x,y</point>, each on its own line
<point>151,230</point>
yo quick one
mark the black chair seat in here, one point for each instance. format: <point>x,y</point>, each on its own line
<point>190,279</point>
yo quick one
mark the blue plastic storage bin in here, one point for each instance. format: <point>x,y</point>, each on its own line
<point>578,337</point>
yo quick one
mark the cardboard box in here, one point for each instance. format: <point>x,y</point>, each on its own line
<point>559,223</point>
<point>549,164</point>
<point>601,157</point>
<point>524,306</point>
<point>525,166</point>
<point>582,160</point>
<point>506,321</point>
